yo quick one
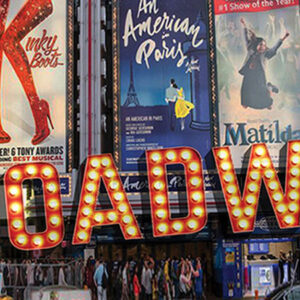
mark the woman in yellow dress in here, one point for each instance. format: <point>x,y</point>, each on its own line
<point>182,107</point>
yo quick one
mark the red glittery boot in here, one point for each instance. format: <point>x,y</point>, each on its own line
<point>4,4</point>
<point>30,15</point>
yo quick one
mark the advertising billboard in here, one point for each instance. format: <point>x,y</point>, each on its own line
<point>36,94</point>
<point>161,78</point>
<point>258,64</point>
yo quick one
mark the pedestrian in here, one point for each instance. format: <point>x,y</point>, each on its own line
<point>125,282</point>
<point>89,273</point>
<point>282,260</point>
<point>136,284</point>
<point>198,274</point>
<point>101,280</point>
<point>61,275</point>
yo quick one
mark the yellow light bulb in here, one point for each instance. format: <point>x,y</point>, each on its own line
<point>93,175</point>
<point>162,228</point>
<point>122,208</point>
<point>195,181</point>
<point>84,223</point>
<point>293,207</point>
<point>88,199</point>
<point>118,196</point>
<point>114,185</point>
<point>14,191</point>
<point>38,241</point>
<point>234,201</point>
<point>158,185</point>
<point>296,147</point>
<point>22,239</point>
<point>194,167</point>
<point>254,175</point>
<point>192,224</point>
<point>161,213</point>
<point>260,151</point>
<point>15,208</point>
<point>273,185</point>
<point>86,211</point>
<point>105,162</point>
<point>269,174</point>
<point>228,178</point>
<point>281,208</point>
<point>131,231</point>
<point>55,220</point>
<point>51,187</point>
<point>110,173</point>
<point>31,170</point>
<point>294,183</point>
<point>17,224</point>
<point>159,200</point>
<point>15,175</point>
<point>155,157</point>
<point>225,166</point>
<point>47,172</point>
<point>171,155</point>
<point>53,204</point>
<point>198,212</point>
<point>112,216</point>
<point>53,236</point>
<point>177,226</point>
<point>127,219</point>
<point>243,224</point>
<point>82,235</point>
<point>293,195</point>
<point>99,218</point>
<point>237,212</point>
<point>295,172</point>
<point>249,211</point>
<point>196,197</point>
<point>157,171</point>
<point>277,197</point>
<point>95,163</point>
<point>295,159</point>
<point>256,163</point>
<point>231,189</point>
<point>265,163</point>
<point>250,199</point>
<point>288,220</point>
<point>186,155</point>
<point>222,154</point>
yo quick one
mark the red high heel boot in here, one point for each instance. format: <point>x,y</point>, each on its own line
<point>4,136</point>
<point>41,114</point>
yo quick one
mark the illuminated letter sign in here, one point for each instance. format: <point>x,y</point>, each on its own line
<point>97,167</point>
<point>242,211</point>
<point>163,224</point>
<point>18,234</point>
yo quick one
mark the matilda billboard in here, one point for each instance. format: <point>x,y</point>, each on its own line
<point>35,64</point>
<point>161,78</point>
<point>258,64</point>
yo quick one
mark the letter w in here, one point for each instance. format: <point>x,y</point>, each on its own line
<point>242,210</point>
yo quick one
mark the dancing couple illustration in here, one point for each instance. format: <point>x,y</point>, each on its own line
<point>32,13</point>
<point>179,108</point>
<point>256,91</point>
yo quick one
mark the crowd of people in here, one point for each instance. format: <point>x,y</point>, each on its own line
<point>149,279</point>
<point>17,275</point>
<point>132,279</point>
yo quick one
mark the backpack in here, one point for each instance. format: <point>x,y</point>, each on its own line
<point>104,281</point>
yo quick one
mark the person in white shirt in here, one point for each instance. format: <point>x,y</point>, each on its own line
<point>61,275</point>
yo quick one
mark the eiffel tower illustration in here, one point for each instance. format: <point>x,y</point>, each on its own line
<point>131,94</point>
